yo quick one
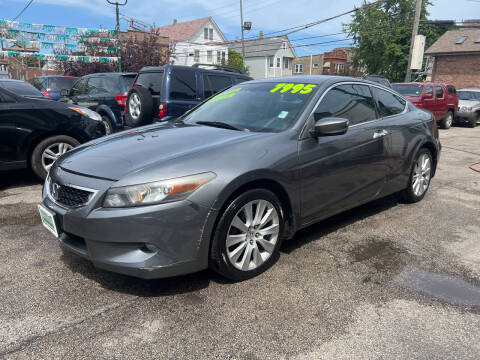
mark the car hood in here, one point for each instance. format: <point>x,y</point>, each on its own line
<point>413,99</point>
<point>118,155</point>
<point>471,103</point>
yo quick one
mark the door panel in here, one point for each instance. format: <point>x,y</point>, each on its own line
<point>340,172</point>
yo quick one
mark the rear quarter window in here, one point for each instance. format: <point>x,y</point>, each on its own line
<point>183,85</point>
<point>151,81</point>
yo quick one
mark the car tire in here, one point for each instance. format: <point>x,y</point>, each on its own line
<point>107,124</point>
<point>242,254</point>
<point>447,121</point>
<point>42,153</point>
<point>418,173</point>
<point>139,107</point>
<point>473,122</point>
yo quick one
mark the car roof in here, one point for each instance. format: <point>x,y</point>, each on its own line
<point>314,79</point>
<point>54,76</point>
<point>11,80</point>
<point>162,68</point>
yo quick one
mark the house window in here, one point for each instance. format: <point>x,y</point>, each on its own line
<point>339,68</point>
<point>286,64</point>
<point>223,57</point>
<point>210,34</point>
<point>205,33</point>
<point>299,68</point>
<point>461,40</point>
<point>196,55</point>
<point>270,61</point>
<point>209,56</point>
<point>278,62</point>
<point>315,66</point>
<point>219,57</point>
<point>284,45</point>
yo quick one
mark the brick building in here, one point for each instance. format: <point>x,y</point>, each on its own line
<point>334,62</point>
<point>457,58</point>
<point>301,65</point>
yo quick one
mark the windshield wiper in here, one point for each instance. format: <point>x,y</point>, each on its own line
<point>221,125</point>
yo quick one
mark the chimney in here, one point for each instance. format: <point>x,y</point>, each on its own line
<point>174,21</point>
<point>261,34</point>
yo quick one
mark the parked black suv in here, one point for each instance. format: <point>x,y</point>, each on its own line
<point>105,93</point>
<point>167,92</point>
<point>52,85</point>
<point>35,131</point>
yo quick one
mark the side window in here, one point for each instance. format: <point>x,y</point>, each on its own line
<point>80,87</point>
<point>352,102</point>
<point>238,80</point>
<point>439,92</point>
<point>5,98</point>
<point>102,85</point>
<point>183,85</point>
<point>387,103</point>
<point>428,90</point>
<point>38,83</point>
<point>207,89</point>
<point>219,83</point>
<point>451,89</point>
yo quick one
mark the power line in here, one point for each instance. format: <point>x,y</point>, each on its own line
<point>23,10</point>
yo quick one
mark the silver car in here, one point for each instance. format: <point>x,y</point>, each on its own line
<point>223,185</point>
<point>468,107</point>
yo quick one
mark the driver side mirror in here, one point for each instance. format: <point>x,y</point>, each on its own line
<point>428,96</point>
<point>64,92</point>
<point>330,126</point>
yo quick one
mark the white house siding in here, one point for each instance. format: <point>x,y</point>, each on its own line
<point>185,50</point>
<point>256,67</point>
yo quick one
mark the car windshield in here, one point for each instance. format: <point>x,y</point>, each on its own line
<point>468,95</point>
<point>59,83</point>
<point>413,90</point>
<point>21,88</point>
<point>264,107</point>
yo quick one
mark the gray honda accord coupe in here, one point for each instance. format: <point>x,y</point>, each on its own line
<point>223,185</point>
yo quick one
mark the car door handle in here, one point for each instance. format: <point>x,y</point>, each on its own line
<point>380,133</point>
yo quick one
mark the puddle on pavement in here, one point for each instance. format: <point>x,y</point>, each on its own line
<point>381,255</point>
<point>439,286</point>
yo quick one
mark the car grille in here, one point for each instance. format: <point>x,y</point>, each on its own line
<point>69,196</point>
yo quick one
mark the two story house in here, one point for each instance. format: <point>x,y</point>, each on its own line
<point>267,57</point>
<point>196,41</point>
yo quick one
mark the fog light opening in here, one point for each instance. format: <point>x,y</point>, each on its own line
<point>149,248</point>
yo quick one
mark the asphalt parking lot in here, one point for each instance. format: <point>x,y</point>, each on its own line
<point>382,281</point>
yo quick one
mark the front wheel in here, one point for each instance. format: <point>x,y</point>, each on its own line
<point>248,236</point>
<point>420,177</point>
<point>447,121</point>
<point>48,151</point>
<point>107,124</point>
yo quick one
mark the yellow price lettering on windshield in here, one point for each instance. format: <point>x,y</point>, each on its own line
<point>224,95</point>
<point>293,88</point>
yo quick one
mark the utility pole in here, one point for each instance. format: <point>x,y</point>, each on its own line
<point>311,59</point>
<point>117,29</point>
<point>243,42</point>
<point>416,23</point>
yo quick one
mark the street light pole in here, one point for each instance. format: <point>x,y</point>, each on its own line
<point>243,43</point>
<point>416,23</point>
<point>117,29</point>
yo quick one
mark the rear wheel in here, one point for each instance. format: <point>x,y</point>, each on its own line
<point>447,121</point>
<point>48,151</point>
<point>107,124</point>
<point>420,177</point>
<point>248,236</point>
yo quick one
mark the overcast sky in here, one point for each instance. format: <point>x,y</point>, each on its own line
<point>266,15</point>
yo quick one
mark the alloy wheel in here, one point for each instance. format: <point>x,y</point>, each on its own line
<point>252,235</point>
<point>134,106</point>
<point>52,153</point>
<point>421,174</point>
<point>449,120</point>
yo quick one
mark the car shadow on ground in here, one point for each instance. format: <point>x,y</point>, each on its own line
<point>24,177</point>
<point>197,281</point>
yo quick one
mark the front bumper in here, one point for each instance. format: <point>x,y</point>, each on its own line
<point>465,116</point>
<point>177,234</point>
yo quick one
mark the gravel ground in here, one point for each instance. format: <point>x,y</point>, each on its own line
<point>382,281</point>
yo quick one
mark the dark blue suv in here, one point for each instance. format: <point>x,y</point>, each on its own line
<point>167,92</point>
<point>105,93</point>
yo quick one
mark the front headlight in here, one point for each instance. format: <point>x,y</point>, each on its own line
<point>466,109</point>
<point>156,192</point>
<point>87,112</point>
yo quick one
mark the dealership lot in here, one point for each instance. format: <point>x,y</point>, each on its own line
<point>385,280</point>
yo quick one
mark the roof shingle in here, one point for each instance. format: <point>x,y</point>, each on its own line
<point>447,43</point>
<point>181,31</point>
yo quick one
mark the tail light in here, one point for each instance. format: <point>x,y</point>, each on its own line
<point>121,99</point>
<point>162,110</point>
<point>46,94</point>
